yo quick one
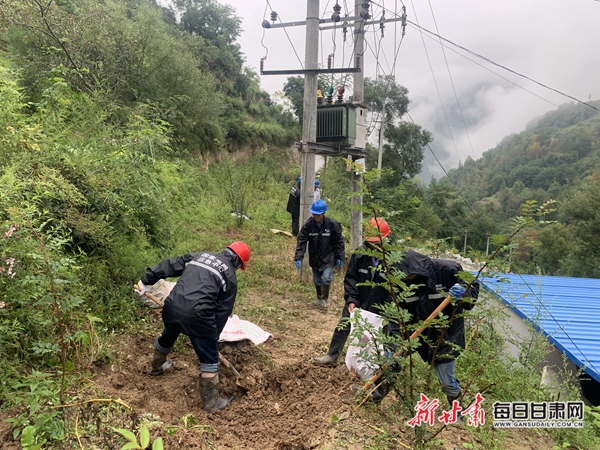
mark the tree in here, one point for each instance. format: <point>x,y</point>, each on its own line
<point>385,96</point>
<point>294,91</point>
<point>404,153</point>
<point>448,206</point>
<point>209,19</point>
<point>584,212</point>
<point>554,244</point>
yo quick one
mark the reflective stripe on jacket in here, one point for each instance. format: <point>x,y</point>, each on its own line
<point>202,299</point>
<point>325,243</point>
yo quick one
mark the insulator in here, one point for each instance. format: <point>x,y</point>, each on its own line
<point>364,14</point>
<point>262,65</point>
<point>273,16</point>
<point>335,17</point>
<point>329,61</point>
<point>357,61</point>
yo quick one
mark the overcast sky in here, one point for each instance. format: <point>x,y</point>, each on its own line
<point>467,103</point>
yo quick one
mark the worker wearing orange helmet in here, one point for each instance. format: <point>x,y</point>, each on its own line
<point>361,268</point>
<point>198,306</point>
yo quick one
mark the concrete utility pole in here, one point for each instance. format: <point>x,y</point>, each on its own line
<point>381,132</point>
<point>309,147</point>
<point>309,128</point>
<point>465,246</point>
<point>358,96</point>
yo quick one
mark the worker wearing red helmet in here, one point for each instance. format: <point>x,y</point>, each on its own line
<point>361,268</point>
<point>198,306</point>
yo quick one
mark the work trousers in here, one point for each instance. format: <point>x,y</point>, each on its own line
<point>324,277</point>
<point>207,349</point>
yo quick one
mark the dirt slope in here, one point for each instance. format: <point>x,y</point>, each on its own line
<point>289,406</point>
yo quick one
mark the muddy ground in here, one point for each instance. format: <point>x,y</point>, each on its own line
<point>290,403</point>
<point>287,406</point>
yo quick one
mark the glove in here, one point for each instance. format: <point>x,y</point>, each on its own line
<point>340,262</point>
<point>457,291</point>
<point>143,288</point>
<point>298,264</point>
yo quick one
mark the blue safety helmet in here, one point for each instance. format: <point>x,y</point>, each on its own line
<point>317,183</point>
<point>299,179</point>
<point>318,207</point>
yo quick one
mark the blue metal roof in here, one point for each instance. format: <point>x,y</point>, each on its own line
<point>566,310</point>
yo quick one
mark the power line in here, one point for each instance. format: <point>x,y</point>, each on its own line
<point>262,40</point>
<point>376,54</point>
<point>452,82</point>
<point>418,27</point>
<point>438,90</point>
<point>501,66</point>
<point>497,74</point>
<point>288,36</point>
<point>444,170</point>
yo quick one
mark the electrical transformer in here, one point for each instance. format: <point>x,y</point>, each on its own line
<point>342,124</point>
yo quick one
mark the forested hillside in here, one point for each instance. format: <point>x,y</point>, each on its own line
<point>556,158</point>
<point>131,132</point>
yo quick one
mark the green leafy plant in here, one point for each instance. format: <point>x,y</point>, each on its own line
<point>416,376</point>
<point>144,441</point>
<point>190,423</point>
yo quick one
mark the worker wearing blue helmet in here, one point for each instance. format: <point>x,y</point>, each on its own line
<point>323,236</point>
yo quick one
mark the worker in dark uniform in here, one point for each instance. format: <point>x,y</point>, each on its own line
<point>198,306</point>
<point>323,236</point>
<point>293,206</point>
<point>442,345</point>
<point>364,268</point>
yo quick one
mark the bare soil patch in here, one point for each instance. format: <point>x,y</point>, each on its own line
<point>291,403</point>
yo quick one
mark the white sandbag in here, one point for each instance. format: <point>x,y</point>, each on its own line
<point>365,344</point>
<point>237,329</point>
<point>161,290</point>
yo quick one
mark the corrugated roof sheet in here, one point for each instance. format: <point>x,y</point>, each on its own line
<point>566,310</point>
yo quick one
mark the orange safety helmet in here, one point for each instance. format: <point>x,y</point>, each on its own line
<point>377,227</point>
<point>242,250</point>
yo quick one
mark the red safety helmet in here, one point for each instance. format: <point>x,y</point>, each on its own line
<point>377,227</point>
<point>242,250</point>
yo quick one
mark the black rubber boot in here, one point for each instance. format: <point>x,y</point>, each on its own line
<point>160,363</point>
<point>458,397</point>
<point>338,340</point>
<point>325,294</point>
<point>381,392</point>
<point>319,290</point>
<point>378,394</point>
<point>209,393</point>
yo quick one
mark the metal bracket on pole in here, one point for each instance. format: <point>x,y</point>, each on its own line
<point>330,149</point>
<point>309,71</point>
<point>267,25</point>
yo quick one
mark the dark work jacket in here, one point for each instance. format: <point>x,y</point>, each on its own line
<point>445,344</point>
<point>325,244</point>
<point>202,299</point>
<point>369,298</point>
<point>417,265</point>
<point>293,204</point>
<point>360,270</point>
